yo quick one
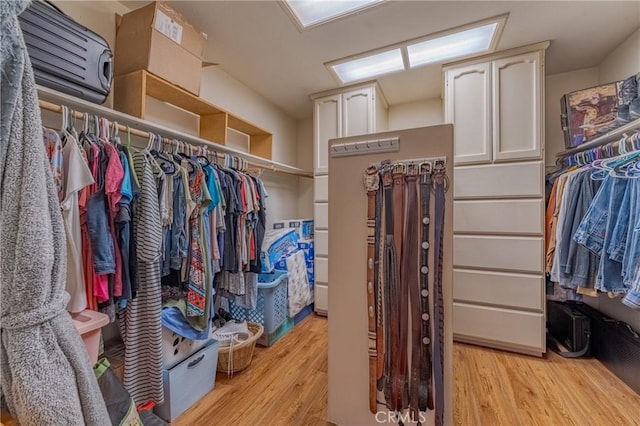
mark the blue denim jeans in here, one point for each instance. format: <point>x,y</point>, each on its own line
<point>596,232</point>
<point>100,234</point>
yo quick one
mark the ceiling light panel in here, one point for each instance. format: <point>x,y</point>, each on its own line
<point>369,66</point>
<point>314,12</point>
<point>456,45</point>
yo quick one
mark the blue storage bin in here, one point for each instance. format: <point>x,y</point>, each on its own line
<point>271,307</point>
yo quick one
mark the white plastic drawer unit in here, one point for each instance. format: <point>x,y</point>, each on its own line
<point>513,180</point>
<point>187,382</point>
<point>499,216</point>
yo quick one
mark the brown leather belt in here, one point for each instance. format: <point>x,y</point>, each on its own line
<point>425,388</point>
<point>400,296</point>
<point>371,182</point>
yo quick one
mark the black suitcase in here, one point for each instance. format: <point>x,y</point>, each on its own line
<point>65,55</point>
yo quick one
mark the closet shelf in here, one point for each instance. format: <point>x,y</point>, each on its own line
<point>131,89</point>
<point>611,136</point>
<point>51,100</point>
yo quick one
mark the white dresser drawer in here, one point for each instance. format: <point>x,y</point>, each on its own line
<point>321,215</point>
<point>499,216</point>
<point>321,298</point>
<point>502,326</point>
<point>322,242</point>
<point>499,180</point>
<point>493,252</point>
<point>321,269</point>
<point>499,288</point>
<point>321,188</point>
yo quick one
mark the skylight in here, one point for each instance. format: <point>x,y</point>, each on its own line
<point>473,39</point>
<point>370,66</point>
<point>456,45</point>
<point>309,13</point>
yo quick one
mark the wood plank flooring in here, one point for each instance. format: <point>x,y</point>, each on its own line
<point>284,385</point>
<point>287,385</point>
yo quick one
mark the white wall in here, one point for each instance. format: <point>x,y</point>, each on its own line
<point>422,113</point>
<point>221,89</point>
<point>556,86</point>
<point>623,62</point>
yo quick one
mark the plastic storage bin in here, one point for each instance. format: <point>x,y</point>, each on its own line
<point>271,306</point>
<point>175,347</point>
<point>187,382</point>
<point>89,324</point>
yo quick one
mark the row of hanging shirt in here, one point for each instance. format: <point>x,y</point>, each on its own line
<point>593,229</point>
<point>212,217</point>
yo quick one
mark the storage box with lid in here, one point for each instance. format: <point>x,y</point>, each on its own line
<point>589,113</point>
<point>158,39</point>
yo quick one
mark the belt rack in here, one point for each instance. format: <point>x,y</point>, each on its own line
<point>398,284</point>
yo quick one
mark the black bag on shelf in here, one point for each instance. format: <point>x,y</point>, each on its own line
<point>65,55</point>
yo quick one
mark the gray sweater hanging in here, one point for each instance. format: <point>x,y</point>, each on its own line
<point>45,375</point>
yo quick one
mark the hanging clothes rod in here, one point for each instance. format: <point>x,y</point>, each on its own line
<point>51,100</point>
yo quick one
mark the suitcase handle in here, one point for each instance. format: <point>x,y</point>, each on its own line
<point>195,361</point>
<point>105,67</point>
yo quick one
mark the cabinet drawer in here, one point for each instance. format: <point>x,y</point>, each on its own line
<point>499,180</point>
<point>322,243</point>
<point>509,253</point>
<point>499,216</point>
<point>321,298</point>
<point>321,188</point>
<point>322,269</point>
<point>504,326</point>
<point>499,288</point>
<point>321,215</point>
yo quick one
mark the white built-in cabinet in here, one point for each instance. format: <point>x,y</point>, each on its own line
<point>496,106</point>
<point>346,112</point>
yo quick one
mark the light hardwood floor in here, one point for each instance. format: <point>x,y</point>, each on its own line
<point>287,385</point>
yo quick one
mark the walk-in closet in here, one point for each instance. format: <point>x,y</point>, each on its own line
<point>310,212</point>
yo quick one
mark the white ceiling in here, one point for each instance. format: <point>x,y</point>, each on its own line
<point>257,42</point>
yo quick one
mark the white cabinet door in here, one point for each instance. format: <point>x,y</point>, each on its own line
<point>468,107</point>
<point>358,112</point>
<point>517,107</point>
<point>327,125</point>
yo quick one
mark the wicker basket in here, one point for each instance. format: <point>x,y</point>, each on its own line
<point>232,359</point>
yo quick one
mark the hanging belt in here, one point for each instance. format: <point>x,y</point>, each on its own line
<point>389,280</point>
<point>440,185</point>
<point>421,387</point>
<point>401,299</point>
<point>377,283</point>
<point>371,183</point>
<point>411,284</point>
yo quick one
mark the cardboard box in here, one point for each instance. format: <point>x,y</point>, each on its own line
<point>158,39</point>
<point>589,113</point>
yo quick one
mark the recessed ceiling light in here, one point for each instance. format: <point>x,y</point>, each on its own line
<point>309,13</point>
<point>369,66</point>
<point>456,45</point>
